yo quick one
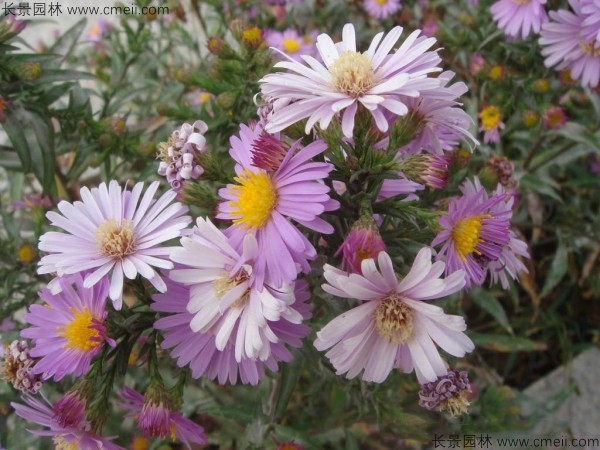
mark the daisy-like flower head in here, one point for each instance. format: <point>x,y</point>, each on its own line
<point>261,202</point>
<point>199,350</point>
<point>76,437</point>
<point>519,17</point>
<point>491,122</point>
<point>448,393</point>
<point>179,154</point>
<point>224,300</point>
<point>156,419</point>
<point>291,43</point>
<point>395,326</point>
<point>374,79</point>
<point>69,329</point>
<point>443,122</point>
<point>381,9</point>
<point>566,48</point>
<point>112,231</point>
<point>475,230</point>
<point>554,117</point>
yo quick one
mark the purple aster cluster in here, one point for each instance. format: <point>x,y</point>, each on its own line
<point>571,40</point>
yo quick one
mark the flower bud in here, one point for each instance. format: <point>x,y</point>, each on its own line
<point>362,242</point>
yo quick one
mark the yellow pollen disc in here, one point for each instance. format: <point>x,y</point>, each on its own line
<point>291,45</point>
<point>115,241</point>
<point>496,72</point>
<point>456,405</point>
<point>61,444</point>
<point>490,117</point>
<point>521,2</point>
<point>381,2</point>
<point>352,73</point>
<point>223,285</point>
<point>95,31</point>
<point>394,320</point>
<point>26,253</point>
<point>465,235</point>
<point>590,48</point>
<point>257,198</point>
<point>79,332</point>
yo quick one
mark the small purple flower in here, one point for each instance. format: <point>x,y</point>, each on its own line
<point>475,231</point>
<point>362,242</point>
<point>382,9</point>
<point>554,117</point>
<point>155,418</point>
<point>476,64</point>
<point>69,329</point>
<point>99,30</point>
<point>519,17</point>
<point>292,43</point>
<point>180,153</point>
<point>448,393</point>
<point>33,201</point>
<point>78,436</point>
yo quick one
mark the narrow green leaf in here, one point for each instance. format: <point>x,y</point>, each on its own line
<point>289,377</point>
<point>65,44</point>
<point>9,226</point>
<point>14,130</point>
<point>506,344</point>
<point>535,183</point>
<point>490,304</point>
<point>558,269</point>
<point>578,133</point>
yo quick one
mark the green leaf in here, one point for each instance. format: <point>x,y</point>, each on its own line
<point>558,269</point>
<point>289,377</point>
<point>578,133</point>
<point>65,44</point>
<point>490,304</point>
<point>506,344</point>
<point>542,186</point>
<point>14,130</point>
<point>42,150</point>
<point>54,75</point>
<point>9,226</point>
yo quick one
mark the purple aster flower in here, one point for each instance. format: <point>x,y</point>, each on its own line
<point>78,437</point>
<point>156,419</point>
<point>180,153</point>
<point>375,79</point>
<point>108,231</point>
<point>362,242</point>
<point>475,230</point>
<point>262,201</point>
<point>382,9</point>
<point>69,329</point>
<point>519,17</point>
<point>291,43</point>
<point>591,21</point>
<point>199,350</point>
<point>448,393</point>
<point>224,297</point>
<point>554,117</point>
<point>17,367</point>
<point>476,64</point>
<point>33,201</point>
<point>395,326</point>
<point>442,122</point>
<point>491,122</point>
<point>99,30</point>
<point>430,170</point>
<point>565,48</point>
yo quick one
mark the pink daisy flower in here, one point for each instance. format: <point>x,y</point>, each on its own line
<point>443,123</point>
<point>375,79</point>
<point>491,123</point>
<point>395,326</point>
<point>224,299</point>
<point>519,17</point>
<point>565,48</point>
<point>156,419</point>
<point>109,232</point>
<point>199,350</point>
<point>69,329</point>
<point>381,9</point>
<point>273,184</point>
<point>475,231</point>
<point>74,433</point>
<point>291,43</point>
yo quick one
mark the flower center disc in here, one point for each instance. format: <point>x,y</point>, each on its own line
<point>490,118</point>
<point>590,48</point>
<point>114,241</point>
<point>81,333</point>
<point>291,45</point>
<point>465,235</point>
<point>352,74</point>
<point>256,201</point>
<point>394,320</point>
<point>225,284</point>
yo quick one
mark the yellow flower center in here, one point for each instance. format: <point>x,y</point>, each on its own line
<point>490,117</point>
<point>394,320</point>
<point>589,48</point>
<point>521,2</point>
<point>257,198</point>
<point>496,72</point>
<point>80,331</point>
<point>381,2</point>
<point>352,74</point>
<point>140,443</point>
<point>465,235</point>
<point>95,31</point>
<point>61,444</point>
<point>205,97</point>
<point>225,284</point>
<point>26,253</point>
<point>114,241</point>
<point>291,45</point>
<point>456,405</point>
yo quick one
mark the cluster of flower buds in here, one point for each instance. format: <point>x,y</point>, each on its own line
<point>17,368</point>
